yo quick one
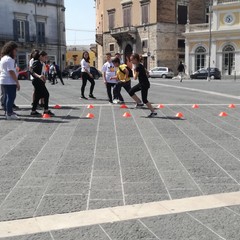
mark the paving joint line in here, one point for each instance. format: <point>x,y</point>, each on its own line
<point>143,224</point>
<point>105,231</point>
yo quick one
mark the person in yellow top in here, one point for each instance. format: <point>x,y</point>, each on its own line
<point>122,76</point>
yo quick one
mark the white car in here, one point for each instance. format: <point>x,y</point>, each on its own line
<point>161,72</point>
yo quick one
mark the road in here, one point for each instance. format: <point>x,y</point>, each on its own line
<point>165,178</point>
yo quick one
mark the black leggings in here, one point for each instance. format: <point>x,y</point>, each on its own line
<point>119,86</point>
<point>85,77</point>
<point>40,91</point>
<point>143,89</point>
<point>109,87</point>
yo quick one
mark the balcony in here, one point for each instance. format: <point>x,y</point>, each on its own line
<point>226,1</point>
<point>124,33</point>
<point>99,39</point>
<point>197,28</point>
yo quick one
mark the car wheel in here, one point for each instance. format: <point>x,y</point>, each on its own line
<point>212,77</point>
<point>164,76</point>
<point>22,77</point>
<point>75,77</point>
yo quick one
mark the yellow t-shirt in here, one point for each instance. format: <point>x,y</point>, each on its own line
<point>121,75</point>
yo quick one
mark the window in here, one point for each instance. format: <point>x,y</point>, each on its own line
<point>41,32</point>
<point>145,14</point>
<point>228,60</point>
<point>22,61</point>
<point>200,58</point>
<point>112,47</point>
<point>182,14</point>
<point>21,30</point>
<point>145,44</point>
<point>111,19</point>
<point>181,43</point>
<point>127,16</point>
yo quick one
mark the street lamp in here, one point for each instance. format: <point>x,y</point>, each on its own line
<point>210,40</point>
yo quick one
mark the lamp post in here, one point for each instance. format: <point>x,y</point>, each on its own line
<point>35,7</point>
<point>210,40</point>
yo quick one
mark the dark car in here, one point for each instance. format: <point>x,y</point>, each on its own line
<point>23,75</point>
<point>203,74</point>
<point>66,72</point>
<point>76,74</point>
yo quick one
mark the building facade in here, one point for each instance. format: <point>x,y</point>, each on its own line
<point>34,24</point>
<point>224,48</point>
<point>75,52</point>
<point>152,28</point>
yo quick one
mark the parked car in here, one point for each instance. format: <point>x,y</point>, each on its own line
<point>66,72</point>
<point>161,72</point>
<point>23,75</point>
<point>76,74</point>
<point>203,74</point>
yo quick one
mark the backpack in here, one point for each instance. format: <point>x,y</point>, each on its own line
<point>129,71</point>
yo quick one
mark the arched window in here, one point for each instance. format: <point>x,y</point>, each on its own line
<point>228,60</point>
<point>200,58</point>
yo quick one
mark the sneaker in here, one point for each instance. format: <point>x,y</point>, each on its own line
<point>152,115</point>
<point>91,96</point>
<point>49,112</point>
<point>36,114</point>
<point>139,105</point>
<point>15,107</point>
<point>12,117</point>
<point>83,97</point>
<point>115,101</point>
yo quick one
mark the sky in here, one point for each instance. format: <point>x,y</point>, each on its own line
<point>80,16</point>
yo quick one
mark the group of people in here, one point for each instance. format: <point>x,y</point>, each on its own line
<point>116,75</point>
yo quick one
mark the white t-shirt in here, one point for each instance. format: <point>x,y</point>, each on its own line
<point>7,64</point>
<point>110,71</point>
<point>30,65</point>
<point>85,65</point>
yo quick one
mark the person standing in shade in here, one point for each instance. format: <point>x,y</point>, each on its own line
<point>86,76</point>
<point>59,73</point>
<point>9,78</point>
<point>108,70</point>
<point>53,73</point>
<point>39,83</point>
<point>181,70</point>
<point>140,73</point>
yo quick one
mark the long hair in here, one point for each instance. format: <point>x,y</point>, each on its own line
<point>86,59</point>
<point>136,57</point>
<point>36,55</point>
<point>8,49</point>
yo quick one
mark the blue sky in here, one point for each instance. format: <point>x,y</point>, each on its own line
<point>80,15</point>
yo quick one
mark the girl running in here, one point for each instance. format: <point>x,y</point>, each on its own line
<point>39,82</point>
<point>86,75</point>
<point>139,72</point>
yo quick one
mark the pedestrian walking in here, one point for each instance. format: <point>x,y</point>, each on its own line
<point>124,81</point>
<point>9,78</point>
<point>181,71</point>
<point>53,73</point>
<point>140,73</point>
<point>39,83</point>
<point>86,76</point>
<point>108,70</point>
<point>59,73</point>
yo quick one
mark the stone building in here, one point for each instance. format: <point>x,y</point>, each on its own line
<point>152,28</point>
<point>34,24</point>
<point>225,40</point>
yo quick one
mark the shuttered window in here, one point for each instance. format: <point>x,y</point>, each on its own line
<point>21,30</point>
<point>41,32</point>
<point>182,14</point>
<point>127,16</point>
<point>111,19</point>
<point>145,14</point>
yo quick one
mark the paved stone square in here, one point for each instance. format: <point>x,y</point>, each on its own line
<point>70,164</point>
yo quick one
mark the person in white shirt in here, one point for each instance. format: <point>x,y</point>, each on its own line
<point>9,78</point>
<point>109,71</point>
<point>86,76</point>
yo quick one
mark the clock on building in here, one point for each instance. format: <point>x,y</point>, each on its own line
<point>229,19</point>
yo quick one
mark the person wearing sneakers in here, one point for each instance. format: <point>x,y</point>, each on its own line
<point>140,73</point>
<point>40,90</point>
<point>8,78</point>
<point>108,70</point>
<point>123,79</point>
<point>86,75</point>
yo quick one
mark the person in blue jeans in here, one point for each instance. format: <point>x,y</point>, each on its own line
<point>8,78</point>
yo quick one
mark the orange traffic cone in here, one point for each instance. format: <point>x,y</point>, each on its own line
<point>90,106</point>
<point>232,106</point>
<point>57,107</point>
<point>223,114</point>
<point>195,106</point>
<point>127,115</point>
<point>90,115</point>
<point>160,106</point>
<point>179,115</point>
<point>45,116</point>
<point>123,106</point>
